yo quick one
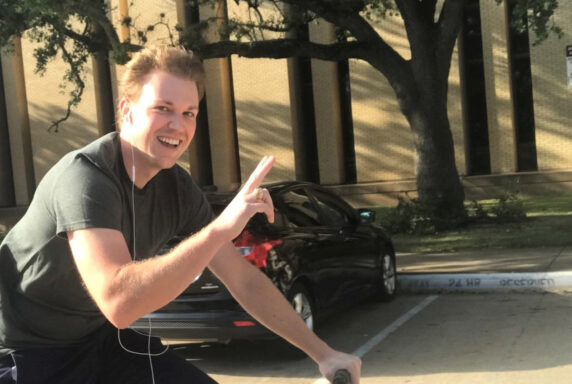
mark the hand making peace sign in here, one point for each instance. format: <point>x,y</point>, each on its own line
<point>251,199</point>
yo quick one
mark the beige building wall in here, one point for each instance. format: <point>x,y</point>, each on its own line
<point>502,137</point>
<point>220,110</point>
<point>383,139</point>
<point>262,101</point>
<point>47,102</point>
<point>148,12</point>
<point>552,95</point>
<point>18,123</point>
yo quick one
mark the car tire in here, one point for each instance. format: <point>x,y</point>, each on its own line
<point>387,278</point>
<point>303,303</point>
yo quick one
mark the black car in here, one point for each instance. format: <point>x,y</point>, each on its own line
<point>320,252</point>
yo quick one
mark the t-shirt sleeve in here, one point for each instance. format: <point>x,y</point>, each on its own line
<point>85,197</point>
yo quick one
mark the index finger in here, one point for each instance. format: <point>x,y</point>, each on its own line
<point>259,173</point>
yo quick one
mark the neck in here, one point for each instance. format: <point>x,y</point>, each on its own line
<point>133,164</point>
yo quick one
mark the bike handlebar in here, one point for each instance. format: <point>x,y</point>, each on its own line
<point>342,376</point>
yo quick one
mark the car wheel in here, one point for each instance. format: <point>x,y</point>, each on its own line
<point>388,278</point>
<point>303,304</point>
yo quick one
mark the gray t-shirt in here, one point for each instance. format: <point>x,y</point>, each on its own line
<point>43,301</point>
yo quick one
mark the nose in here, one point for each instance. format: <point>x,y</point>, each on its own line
<point>174,123</point>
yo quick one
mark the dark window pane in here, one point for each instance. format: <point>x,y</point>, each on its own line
<point>521,82</point>
<point>473,78</point>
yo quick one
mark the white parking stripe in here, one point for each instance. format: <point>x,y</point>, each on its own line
<point>361,351</point>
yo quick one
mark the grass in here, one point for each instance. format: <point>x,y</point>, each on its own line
<point>548,223</point>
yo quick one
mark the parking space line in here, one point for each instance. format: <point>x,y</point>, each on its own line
<point>368,346</point>
<point>361,351</point>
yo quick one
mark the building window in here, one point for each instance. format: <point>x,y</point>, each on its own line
<point>350,168</point>
<point>521,83</point>
<point>473,85</point>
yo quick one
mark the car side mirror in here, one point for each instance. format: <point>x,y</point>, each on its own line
<point>366,215</point>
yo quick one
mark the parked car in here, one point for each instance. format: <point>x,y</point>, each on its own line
<point>321,253</point>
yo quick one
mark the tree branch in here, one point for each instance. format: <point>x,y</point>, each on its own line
<point>76,95</point>
<point>346,16</point>
<point>284,48</point>
<point>448,26</point>
<point>98,16</point>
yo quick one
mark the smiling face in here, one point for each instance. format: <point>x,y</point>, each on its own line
<point>160,124</point>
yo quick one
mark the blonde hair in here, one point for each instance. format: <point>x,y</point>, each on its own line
<point>173,60</point>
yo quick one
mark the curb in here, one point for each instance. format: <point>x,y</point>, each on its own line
<point>480,282</point>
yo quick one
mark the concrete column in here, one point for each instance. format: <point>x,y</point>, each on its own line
<point>223,139</point>
<point>104,100</point>
<point>18,123</point>
<point>123,13</point>
<point>328,110</point>
<point>502,134</point>
<point>302,109</point>
<point>220,107</point>
<point>7,197</point>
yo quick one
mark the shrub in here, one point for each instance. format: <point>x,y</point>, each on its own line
<point>509,208</point>
<point>409,216</point>
<point>414,217</point>
<point>478,211</point>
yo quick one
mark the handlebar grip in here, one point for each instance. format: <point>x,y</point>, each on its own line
<point>342,376</point>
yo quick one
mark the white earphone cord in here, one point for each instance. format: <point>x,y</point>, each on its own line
<point>149,354</point>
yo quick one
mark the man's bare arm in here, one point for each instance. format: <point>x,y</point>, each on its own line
<point>126,290</point>
<point>259,297</point>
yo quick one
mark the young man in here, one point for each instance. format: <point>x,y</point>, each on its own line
<point>79,268</point>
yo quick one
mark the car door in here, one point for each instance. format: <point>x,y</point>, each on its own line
<point>356,248</point>
<point>310,246</point>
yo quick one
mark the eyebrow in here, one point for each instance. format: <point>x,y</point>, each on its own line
<point>190,107</point>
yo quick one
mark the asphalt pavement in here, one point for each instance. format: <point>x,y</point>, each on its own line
<point>546,268</point>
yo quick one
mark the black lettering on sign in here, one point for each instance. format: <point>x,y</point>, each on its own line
<point>473,282</point>
<point>527,282</point>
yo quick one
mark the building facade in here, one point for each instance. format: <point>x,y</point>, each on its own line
<point>336,123</point>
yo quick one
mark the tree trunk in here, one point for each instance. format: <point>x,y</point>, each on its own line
<point>438,182</point>
<point>422,94</point>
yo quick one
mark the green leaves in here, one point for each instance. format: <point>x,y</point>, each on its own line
<point>536,16</point>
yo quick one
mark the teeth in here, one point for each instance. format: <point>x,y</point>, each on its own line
<point>169,141</point>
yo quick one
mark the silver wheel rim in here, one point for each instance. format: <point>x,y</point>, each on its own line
<point>303,308</point>
<point>388,274</point>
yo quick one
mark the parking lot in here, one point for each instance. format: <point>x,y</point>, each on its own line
<point>507,337</point>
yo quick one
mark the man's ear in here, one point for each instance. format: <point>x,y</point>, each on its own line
<point>125,109</point>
